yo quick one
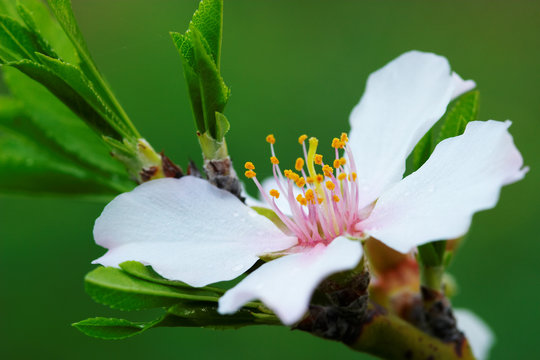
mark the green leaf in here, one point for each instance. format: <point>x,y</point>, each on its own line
<point>113,329</point>
<point>214,92</point>
<point>422,150</point>
<point>62,126</point>
<point>28,168</point>
<point>206,315</point>
<point>463,111</point>
<point>16,41</point>
<point>207,20</point>
<point>64,14</point>
<point>46,26</point>
<point>222,126</point>
<point>136,269</point>
<point>67,83</point>
<point>460,112</point>
<point>200,49</point>
<point>118,290</point>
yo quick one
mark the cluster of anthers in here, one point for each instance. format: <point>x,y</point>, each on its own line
<point>326,204</point>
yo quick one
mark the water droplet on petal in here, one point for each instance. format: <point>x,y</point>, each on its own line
<point>237,268</point>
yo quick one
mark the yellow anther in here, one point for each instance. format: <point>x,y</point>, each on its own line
<point>274,160</point>
<point>344,138</point>
<point>249,165</point>
<point>320,200</point>
<point>342,161</point>
<point>337,163</point>
<point>302,138</point>
<point>327,170</point>
<point>271,139</point>
<point>274,193</point>
<point>318,159</point>
<point>287,173</point>
<point>354,176</point>
<point>336,143</point>
<point>310,180</point>
<point>336,198</point>
<point>330,185</point>
<point>299,164</point>
<point>342,176</point>
<point>320,178</point>
<point>302,200</point>
<point>310,196</point>
<point>301,182</point>
<point>250,174</point>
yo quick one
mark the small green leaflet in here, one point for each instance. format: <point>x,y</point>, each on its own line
<point>200,49</point>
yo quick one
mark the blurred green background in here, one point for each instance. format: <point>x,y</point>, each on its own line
<point>294,67</point>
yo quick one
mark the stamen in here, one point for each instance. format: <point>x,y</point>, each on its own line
<point>330,185</point>
<point>327,170</point>
<point>299,164</point>
<point>326,206</point>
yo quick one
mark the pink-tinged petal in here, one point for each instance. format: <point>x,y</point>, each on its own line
<point>286,284</point>
<point>463,175</point>
<point>461,86</point>
<point>400,104</point>
<point>187,230</point>
<point>480,336</point>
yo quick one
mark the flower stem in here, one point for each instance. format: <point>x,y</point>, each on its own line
<point>389,337</point>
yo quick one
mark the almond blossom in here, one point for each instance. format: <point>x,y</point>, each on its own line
<point>188,230</point>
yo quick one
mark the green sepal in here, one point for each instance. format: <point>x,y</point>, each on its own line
<point>272,216</point>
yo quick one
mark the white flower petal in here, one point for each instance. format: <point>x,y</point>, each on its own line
<point>463,175</point>
<point>480,336</point>
<point>461,86</point>
<point>400,104</point>
<point>286,284</point>
<point>187,230</point>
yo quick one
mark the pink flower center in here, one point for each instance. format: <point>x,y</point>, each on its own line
<point>326,206</point>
